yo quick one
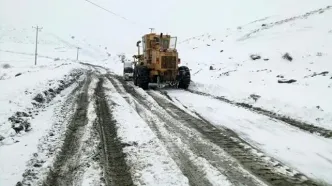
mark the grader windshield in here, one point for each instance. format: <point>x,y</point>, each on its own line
<point>168,43</point>
<point>164,43</point>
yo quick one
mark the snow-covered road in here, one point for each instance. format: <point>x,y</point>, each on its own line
<point>305,152</point>
<point>214,150</point>
<point>102,129</point>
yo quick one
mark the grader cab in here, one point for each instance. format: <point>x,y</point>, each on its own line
<point>159,63</point>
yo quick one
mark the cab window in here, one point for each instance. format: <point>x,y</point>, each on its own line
<point>164,43</point>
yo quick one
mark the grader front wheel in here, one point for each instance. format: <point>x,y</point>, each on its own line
<point>143,77</point>
<point>184,77</point>
<point>135,76</point>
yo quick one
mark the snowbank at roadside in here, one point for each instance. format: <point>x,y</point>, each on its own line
<point>15,153</point>
<point>22,96</point>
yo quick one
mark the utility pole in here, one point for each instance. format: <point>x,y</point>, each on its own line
<point>37,30</point>
<point>78,48</point>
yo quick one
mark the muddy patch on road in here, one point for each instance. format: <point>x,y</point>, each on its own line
<point>66,163</point>
<point>116,171</point>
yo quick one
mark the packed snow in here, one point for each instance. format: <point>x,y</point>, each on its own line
<point>90,169</point>
<point>275,138</point>
<point>150,162</point>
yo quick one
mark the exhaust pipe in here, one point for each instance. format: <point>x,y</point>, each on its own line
<point>137,44</point>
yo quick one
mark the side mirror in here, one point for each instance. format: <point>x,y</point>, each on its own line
<point>138,42</point>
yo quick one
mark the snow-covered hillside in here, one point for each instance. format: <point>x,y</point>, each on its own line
<point>21,80</point>
<point>222,65</point>
<point>17,46</point>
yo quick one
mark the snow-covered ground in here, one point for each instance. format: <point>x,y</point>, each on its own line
<point>150,162</point>
<point>15,154</point>
<point>21,80</point>
<point>275,138</point>
<point>54,77</point>
<point>17,93</point>
<point>306,37</point>
<point>223,36</point>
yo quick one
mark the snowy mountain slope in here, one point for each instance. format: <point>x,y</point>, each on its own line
<point>19,44</point>
<point>132,19</point>
<point>307,38</point>
<point>17,51</point>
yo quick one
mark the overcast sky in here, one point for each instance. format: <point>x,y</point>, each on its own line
<point>183,18</point>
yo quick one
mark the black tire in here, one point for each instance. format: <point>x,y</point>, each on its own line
<point>184,77</point>
<point>128,70</point>
<point>135,76</point>
<point>143,77</point>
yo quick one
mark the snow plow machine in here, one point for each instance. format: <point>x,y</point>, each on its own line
<point>158,65</point>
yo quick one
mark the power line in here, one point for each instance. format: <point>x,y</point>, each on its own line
<point>141,25</point>
<point>109,11</point>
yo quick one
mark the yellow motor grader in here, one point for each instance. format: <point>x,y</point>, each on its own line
<point>159,63</point>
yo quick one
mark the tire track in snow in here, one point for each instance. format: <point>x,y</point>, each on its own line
<point>202,162</point>
<point>46,147</point>
<point>187,165</point>
<point>67,162</point>
<point>116,171</point>
<point>191,170</point>
<point>263,167</point>
<point>298,124</point>
<point>148,159</point>
<point>89,170</point>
